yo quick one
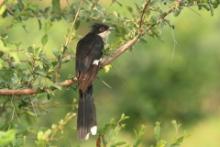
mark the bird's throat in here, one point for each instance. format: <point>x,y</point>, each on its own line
<point>104,34</point>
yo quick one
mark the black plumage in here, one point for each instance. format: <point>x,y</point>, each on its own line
<point>89,49</point>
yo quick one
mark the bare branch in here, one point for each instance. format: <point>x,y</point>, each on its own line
<point>27,91</point>
<point>105,61</point>
<point>142,15</point>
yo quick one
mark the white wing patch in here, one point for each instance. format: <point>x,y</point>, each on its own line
<point>97,61</point>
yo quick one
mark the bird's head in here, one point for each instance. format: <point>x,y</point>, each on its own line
<point>101,29</point>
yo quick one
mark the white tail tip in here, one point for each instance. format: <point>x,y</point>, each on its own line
<point>93,130</point>
<point>87,136</point>
<point>96,62</point>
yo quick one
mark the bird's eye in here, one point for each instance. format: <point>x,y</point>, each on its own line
<point>102,29</point>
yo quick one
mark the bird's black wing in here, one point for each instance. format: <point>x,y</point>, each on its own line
<point>88,49</point>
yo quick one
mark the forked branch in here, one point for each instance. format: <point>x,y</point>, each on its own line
<point>105,61</point>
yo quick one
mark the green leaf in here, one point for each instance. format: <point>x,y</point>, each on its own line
<point>30,49</point>
<point>123,117</point>
<point>56,52</point>
<point>56,6</point>
<point>139,136</point>
<point>56,86</point>
<point>7,137</point>
<point>178,142</point>
<point>47,25</point>
<point>130,9</point>
<point>77,24</point>
<point>1,63</point>
<point>157,131</point>
<point>161,143</point>
<point>119,3</point>
<point>42,82</point>
<point>177,12</point>
<point>144,40</point>
<point>2,9</point>
<point>118,144</point>
<point>211,8</point>
<point>44,40</point>
<point>39,23</point>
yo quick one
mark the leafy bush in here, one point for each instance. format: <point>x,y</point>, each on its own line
<point>37,46</point>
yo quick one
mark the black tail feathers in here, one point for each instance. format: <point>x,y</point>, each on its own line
<point>86,119</point>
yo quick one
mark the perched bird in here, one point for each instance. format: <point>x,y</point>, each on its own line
<point>89,51</point>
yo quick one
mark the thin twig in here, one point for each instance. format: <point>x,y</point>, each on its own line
<point>142,15</point>
<point>161,18</point>
<point>105,60</point>
<point>67,42</point>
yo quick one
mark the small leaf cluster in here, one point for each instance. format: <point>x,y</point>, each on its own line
<point>7,137</point>
<point>160,142</point>
<point>109,135</point>
<point>47,137</point>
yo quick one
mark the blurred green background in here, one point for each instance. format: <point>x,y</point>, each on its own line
<point>175,77</point>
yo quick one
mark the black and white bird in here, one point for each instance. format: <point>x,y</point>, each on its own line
<point>89,51</point>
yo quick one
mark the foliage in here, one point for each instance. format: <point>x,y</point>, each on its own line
<point>163,143</point>
<point>45,138</point>
<point>35,69</point>
<point>7,137</point>
<point>41,63</point>
<point>109,134</point>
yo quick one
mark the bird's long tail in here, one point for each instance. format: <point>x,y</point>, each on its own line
<point>86,117</point>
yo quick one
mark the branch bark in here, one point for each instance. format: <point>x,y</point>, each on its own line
<point>27,91</point>
<point>105,61</point>
<point>142,15</point>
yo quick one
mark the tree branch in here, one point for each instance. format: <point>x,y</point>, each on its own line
<point>105,61</point>
<point>27,91</point>
<point>142,15</point>
<point>108,59</point>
